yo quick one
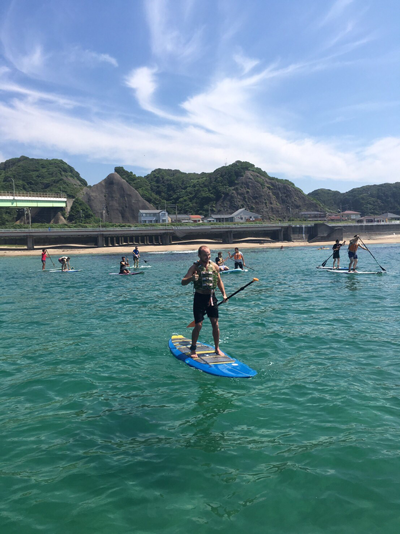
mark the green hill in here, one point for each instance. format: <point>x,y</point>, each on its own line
<point>39,176</point>
<point>368,200</point>
<point>224,190</point>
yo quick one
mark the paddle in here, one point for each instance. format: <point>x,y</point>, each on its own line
<point>323,264</point>
<point>371,254</point>
<point>193,324</point>
<point>51,259</point>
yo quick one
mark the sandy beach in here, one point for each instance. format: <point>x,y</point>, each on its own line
<point>74,250</point>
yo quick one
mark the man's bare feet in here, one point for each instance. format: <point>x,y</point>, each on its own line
<point>219,352</point>
<point>193,354</point>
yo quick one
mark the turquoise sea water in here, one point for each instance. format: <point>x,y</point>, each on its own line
<point>104,431</point>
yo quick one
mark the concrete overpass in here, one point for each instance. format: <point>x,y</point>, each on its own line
<point>165,235</point>
<point>157,235</point>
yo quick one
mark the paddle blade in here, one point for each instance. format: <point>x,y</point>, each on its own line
<point>191,325</point>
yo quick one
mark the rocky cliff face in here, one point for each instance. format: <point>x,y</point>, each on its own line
<point>270,198</point>
<point>120,201</point>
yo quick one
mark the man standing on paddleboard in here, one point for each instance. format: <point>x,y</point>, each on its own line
<point>239,259</point>
<point>206,278</point>
<point>352,251</point>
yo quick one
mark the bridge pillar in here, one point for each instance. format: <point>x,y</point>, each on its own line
<point>100,240</point>
<point>288,233</point>
<point>166,239</point>
<point>30,243</point>
<point>228,237</point>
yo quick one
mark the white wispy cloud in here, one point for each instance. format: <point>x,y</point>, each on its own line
<point>142,81</point>
<point>89,57</point>
<point>217,128</point>
<point>173,34</point>
<point>335,11</point>
<point>246,63</point>
<point>32,63</point>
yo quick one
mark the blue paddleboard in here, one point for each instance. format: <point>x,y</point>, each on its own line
<point>127,274</point>
<point>208,361</point>
<point>231,271</point>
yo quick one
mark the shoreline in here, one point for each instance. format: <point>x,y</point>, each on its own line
<point>193,245</point>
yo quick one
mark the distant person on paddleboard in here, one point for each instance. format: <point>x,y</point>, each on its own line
<point>64,260</point>
<point>336,253</point>
<point>352,252</point>
<point>206,278</point>
<point>219,260</point>
<point>136,256</point>
<point>44,256</point>
<point>239,259</point>
<point>123,266</point>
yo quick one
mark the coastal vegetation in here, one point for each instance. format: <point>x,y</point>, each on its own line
<point>368,199</point>
<point>117,198</point>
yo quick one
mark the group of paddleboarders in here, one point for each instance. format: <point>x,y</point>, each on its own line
<point>65,261</point>
<point>237,256</point>
<point>352,252</point>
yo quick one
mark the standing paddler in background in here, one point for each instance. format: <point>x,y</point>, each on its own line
<point>352,251</point>
<point>239,259</point>
<point>44,256</point>
<point>220,261</point>
<point>206,278</point>
<point>136,256</point>
<point>336,253</point>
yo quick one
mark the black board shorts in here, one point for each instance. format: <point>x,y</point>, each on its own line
<point>201,306</point>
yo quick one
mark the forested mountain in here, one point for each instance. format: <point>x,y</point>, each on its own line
<point>368,200</point>
<point>227,189</point>
<point>42,176</point>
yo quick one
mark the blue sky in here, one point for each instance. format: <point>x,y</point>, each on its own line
<point>307,90</point>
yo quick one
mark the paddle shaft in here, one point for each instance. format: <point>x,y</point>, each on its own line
<point>323,265</point>
<point>372,254</point>
<point>51,259</point>
<point>192,324</point>
<point>236,292</point>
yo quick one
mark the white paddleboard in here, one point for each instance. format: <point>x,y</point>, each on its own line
<point>354,272</point>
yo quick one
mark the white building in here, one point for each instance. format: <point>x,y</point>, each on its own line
<point>153,216</point>
<point>241,215</point>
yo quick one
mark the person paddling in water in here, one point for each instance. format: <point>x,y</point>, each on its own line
<point>65,265</point>
<point>336,253</point>
<point>352,251</point>
<point>206,278</point>
<point>123,266</point>
<point>220,261</point>
<point>44,257</point>
<point>239,259</point>
<point>136,256</point>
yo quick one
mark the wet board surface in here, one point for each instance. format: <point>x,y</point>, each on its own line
<point>339,271</point>
<point>67,271</point>
<point>128,274</point>
<point>208,361</point>
<point>231,271</point>
<point>330,268</point>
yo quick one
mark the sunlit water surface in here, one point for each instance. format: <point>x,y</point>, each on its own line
<point>104,431</point>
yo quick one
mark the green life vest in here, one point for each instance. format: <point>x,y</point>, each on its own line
<point>208,277</point>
